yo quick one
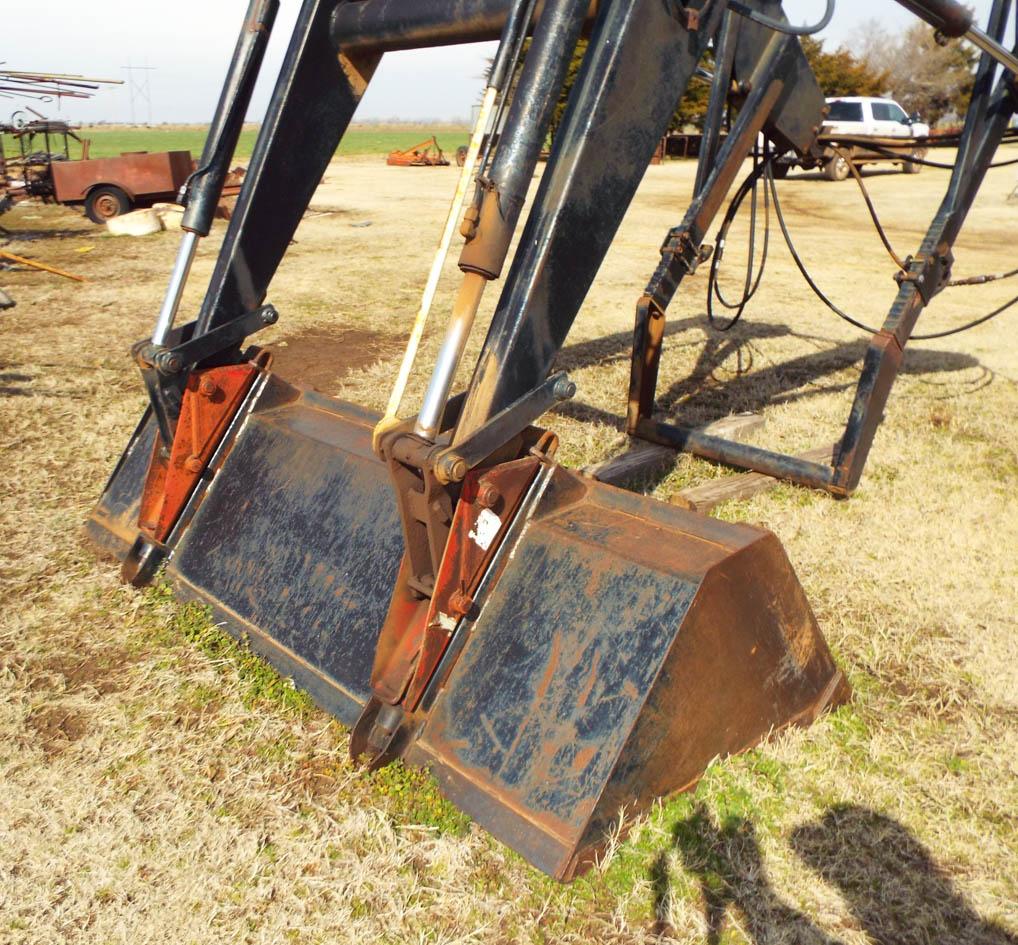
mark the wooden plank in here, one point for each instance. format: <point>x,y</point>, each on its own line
<point>708,495</point>
<point>21,261</point>
<point>643,457</point>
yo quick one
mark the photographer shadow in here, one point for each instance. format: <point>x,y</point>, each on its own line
<point>894,889</point>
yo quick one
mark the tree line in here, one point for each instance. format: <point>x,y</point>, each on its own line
<point>912,67</point>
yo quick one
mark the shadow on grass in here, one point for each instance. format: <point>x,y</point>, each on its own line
<point>895,890</point>
<point>705,397</point>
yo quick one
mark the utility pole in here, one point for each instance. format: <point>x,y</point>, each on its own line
<point>140,88</point>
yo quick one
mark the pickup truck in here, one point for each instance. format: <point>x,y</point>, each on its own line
<point>882,120</point>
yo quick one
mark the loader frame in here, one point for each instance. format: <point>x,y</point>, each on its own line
<point>929,270</point>
<point>399,609</point>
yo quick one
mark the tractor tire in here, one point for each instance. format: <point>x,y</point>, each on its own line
<point>910,167</point>
<point>104,203</point>
<point>836,168</point>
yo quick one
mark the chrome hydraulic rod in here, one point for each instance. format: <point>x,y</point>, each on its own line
<point>175,290</point>
<point>508,52</point>
<point>504,191</point>
<point>204,187</point>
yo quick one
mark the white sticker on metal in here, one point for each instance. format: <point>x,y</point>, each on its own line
<point>485,529</point>
<point>447,623</point>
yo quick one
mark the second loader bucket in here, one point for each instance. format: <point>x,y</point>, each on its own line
<point>623,645</point>
<point>626,645</point>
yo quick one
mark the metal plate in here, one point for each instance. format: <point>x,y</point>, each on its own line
<point>625,646</point>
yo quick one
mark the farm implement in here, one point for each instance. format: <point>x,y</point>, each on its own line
<point>425,154</point>
<point>557,651</point>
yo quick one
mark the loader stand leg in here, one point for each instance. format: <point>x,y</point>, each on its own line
<point>928,273</point>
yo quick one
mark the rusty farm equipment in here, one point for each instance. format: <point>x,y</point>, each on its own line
<point>426,154</point>
<point>554,649</point>
<point>41,166</point>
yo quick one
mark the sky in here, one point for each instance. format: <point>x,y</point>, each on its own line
<point>187,54</point>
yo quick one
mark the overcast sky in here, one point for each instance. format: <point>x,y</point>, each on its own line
<point>188,43</point>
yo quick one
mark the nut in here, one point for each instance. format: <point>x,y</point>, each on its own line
<point>208,387</point>
<point>460,603</point>
<point>194,464</point>
<point>488,495</point>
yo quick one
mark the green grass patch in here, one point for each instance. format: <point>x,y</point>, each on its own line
<point>411,796</point>
<point>110,142</point>
<point>192,622</point>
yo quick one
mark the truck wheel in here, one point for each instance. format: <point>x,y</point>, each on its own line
<point>836,168</point>
<point>104,203</point>
<point>910,167</point>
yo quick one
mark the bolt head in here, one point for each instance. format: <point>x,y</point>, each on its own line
<point>564,389</point>
<point>207,387</point>
<point>488,495</point>
<point>170,363</point>
<point>460,603</point>
<point>194,464</point>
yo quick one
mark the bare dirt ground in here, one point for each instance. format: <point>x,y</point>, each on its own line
<point>160,783</point>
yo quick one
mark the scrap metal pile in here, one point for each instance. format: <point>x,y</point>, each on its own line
<point>554,649</point>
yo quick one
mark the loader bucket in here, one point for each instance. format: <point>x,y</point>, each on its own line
<point>624,645</point>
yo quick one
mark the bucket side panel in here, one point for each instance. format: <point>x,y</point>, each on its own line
<point>749,659</point>
<point>298,543</point>
<point>541,703</point>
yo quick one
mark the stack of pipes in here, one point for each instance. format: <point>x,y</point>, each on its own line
<point>45,86</point>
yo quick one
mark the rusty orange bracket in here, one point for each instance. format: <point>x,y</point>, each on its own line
<point>211,399</point>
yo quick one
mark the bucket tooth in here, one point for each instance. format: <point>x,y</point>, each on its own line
<point>626,645</point>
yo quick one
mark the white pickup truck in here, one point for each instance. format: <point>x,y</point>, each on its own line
<point>881,120</point>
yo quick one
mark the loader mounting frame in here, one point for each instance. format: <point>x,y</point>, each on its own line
<point>551,647</point>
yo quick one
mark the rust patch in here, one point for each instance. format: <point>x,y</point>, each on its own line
<point>57,728</point>
<point>321,358</point>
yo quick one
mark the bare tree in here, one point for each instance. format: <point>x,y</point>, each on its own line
<point>924,76</point>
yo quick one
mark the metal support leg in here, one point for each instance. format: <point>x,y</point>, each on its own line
<point>986,121</point>
<point>681,252</point>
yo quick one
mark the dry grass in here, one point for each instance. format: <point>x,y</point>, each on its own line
<point>160,782</point>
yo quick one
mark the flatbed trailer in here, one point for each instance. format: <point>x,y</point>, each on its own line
<point>836,150</point>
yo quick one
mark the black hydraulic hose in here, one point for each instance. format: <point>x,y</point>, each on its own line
<point>750,287</point>
<point>801,266</point>
<point>780,27</point>
<point>909,158</point>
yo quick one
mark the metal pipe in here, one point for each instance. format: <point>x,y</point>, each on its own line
<point>720,87</point>
<point>464,311</point>
<point>175,290</point>
<point>505,59</point>
<point>220,145</point>
<point>388,25</point>
<point>742,455</point>
<point>205,185</point>
<point>988,45</point>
